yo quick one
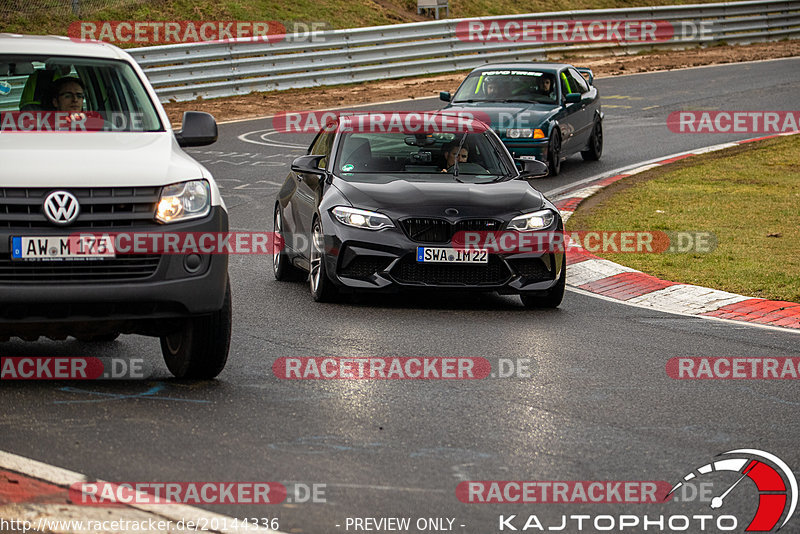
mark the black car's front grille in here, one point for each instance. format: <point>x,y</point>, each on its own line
<point>532,269</point>
<point>409,271</point>
<point>432,230</point>
<point>100,207</point>
<point>133,267</point>
<point>364,267</point>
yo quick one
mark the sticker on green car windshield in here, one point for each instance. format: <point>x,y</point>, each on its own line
<point>348,167</point>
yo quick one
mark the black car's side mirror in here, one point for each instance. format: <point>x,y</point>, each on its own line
<point>309,164</point>
<point>198,129</point>
<point>532,168</point>
<point>445,95</point>
<point>573,98</point>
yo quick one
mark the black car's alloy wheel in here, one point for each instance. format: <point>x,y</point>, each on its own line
<point>595,149</point>
<point>322,289</point>
<point>554,153</point>
<point>282,267</point>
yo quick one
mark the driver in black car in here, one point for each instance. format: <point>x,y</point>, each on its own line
<point>451,153</point>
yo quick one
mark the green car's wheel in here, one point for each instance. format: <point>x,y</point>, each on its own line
<point>554,153</point>
<point>595,149</point>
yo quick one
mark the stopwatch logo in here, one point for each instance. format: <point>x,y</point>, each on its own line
<point>777,485</point>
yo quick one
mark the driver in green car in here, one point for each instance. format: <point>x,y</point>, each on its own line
<point>494,88</point>
<point>546,87</point>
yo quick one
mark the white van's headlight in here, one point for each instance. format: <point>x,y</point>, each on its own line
<point>183,201</point>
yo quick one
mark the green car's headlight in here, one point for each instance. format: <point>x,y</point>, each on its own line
<point>527,222</point>
<point>368,220</point>
<point>184,201</point>
<point>516,133</point>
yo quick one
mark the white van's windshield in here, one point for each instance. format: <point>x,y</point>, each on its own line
<point>58,93</point>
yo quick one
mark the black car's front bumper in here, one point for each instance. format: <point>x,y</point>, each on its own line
<point>386,260</point>
<point>143,294</point>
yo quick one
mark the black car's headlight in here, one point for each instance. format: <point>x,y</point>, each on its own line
<point>519,133</point>
<point>537,220</point>
<point>184,201</point>
<point>368,220</point>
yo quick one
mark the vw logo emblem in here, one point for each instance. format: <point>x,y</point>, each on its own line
<point>61,208</point>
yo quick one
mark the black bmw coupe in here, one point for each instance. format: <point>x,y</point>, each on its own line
<point>378,200</point>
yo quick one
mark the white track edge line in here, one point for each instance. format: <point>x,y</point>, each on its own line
<point>794,331</point>
<point>64,477</point>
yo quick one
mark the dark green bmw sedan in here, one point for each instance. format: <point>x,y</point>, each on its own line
<point>548,111</point>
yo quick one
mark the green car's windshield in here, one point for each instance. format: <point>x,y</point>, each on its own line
<point>381,157</point>
<point>72,93</point>
<point>523,86</point>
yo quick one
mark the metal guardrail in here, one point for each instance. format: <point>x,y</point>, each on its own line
<point>186,71</point>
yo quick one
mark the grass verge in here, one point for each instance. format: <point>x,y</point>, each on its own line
<point>748,196</point>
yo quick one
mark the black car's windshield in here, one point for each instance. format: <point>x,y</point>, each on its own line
<point>523,86</point>
<point>380,157</point>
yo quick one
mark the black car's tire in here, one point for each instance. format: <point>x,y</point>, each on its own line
<point>322,289</point>
<point>282,268</point>
<point>554,295</point>
<point>595,149</point>
<point>554,153</point>
<point>199,349</point>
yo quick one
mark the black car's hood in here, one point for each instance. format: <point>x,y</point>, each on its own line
<point>410,197</point>
<point>507,115</point>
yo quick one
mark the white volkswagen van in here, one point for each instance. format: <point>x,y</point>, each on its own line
<point>87,151</point>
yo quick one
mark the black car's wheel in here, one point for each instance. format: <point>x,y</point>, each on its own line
<point>322,289</point>
<point>199,349</point>
<point>282,267</point>
<point>554,153</point>
<point>554,295</point>
<point>595,149</point>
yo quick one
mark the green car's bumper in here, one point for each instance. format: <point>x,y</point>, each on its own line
<point>528,147</point>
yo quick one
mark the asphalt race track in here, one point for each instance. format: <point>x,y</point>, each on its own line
<point>598,404</point>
